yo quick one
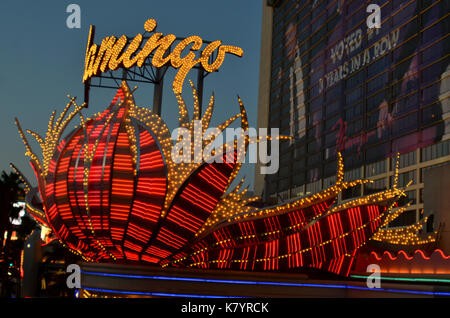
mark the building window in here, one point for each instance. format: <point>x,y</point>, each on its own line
<point>404,219</point>
<point>377,153</point>
<point>272,187</point>
<point>352,192</point>
<point>379,66</point>
<point>354,96</point>
<point>330,139</point>
<point>374,101</point>
<point>407,46</point>
<point>410,198</point>
<point>353,160</point>
<point>283,184</point>
<point>297,192</point>
<point>329,152</point>
<point>299,178</point>
<point>405,160</point>
<point>429,95</point>
<point>332,107</point>
<point>376,186</point>
<point>354,112</point>
<point>375,168</point>
<point>330,168</point>
<point>434,33</point>
<point>299,152</point>
<point>355,127</point>
<point>405,178</point>
<point>328,182</point>
<point>436,151</point>
<point>433,72</point>
<point>283,196</point>
<point>406,103</point>
<point>313,187</point>
<point>377,83</point>
<point>313,146</point>
<point>405,124</point>
<point>285,171</point>
<point>333,94</point>
<point>354,80</point>
<point>431,114</point>
<point>432,53</point>
<point>431,15</point>
<point>353,174</point>
<point>329,123</point>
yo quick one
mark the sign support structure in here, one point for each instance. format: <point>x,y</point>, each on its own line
<point>146,74</point>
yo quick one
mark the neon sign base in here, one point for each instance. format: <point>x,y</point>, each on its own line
<point>117,280</point>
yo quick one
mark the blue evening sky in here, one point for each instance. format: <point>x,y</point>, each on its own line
<point>42,60</point>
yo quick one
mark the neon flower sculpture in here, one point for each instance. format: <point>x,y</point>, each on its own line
<point>110,191</point>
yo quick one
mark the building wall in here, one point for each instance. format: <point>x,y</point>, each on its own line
<point>388,94</point>
<point>264,84</point>
<point>32,255</point>
<point>437,202</point>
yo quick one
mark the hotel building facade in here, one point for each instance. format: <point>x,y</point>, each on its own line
<point>336,85</point>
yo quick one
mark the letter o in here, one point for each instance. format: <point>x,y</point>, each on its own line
<point>207,53</point>
<point>223,49</point>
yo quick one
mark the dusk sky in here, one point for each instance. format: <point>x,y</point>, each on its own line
<point>42,60</point>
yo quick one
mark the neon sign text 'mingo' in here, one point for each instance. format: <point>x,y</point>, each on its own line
<point>111,54</point>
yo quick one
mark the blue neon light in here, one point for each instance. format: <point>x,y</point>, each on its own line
<point>204,280</point>
<point>154,294</point>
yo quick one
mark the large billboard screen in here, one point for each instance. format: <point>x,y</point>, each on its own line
<point>338,85</point>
